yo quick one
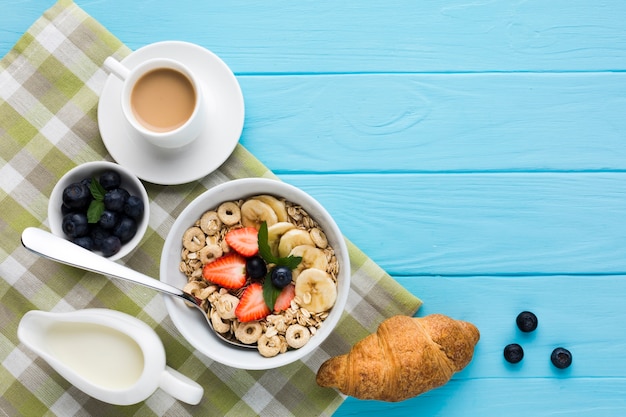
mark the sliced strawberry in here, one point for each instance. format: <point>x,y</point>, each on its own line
<point>244,241</point>
<point>228,271</point>
<point>252,305</point>
<point>283,301</point>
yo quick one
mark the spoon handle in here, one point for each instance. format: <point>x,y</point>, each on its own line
<point>61,250</point>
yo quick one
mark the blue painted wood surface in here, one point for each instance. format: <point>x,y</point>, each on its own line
<point>476,150</point>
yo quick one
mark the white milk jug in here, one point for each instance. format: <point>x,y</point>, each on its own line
<point>107,354</point>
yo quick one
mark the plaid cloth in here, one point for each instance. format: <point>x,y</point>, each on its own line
<point>49,87</point>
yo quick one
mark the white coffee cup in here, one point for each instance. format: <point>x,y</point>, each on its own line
<point>107,354</point>
<point>161,100</point>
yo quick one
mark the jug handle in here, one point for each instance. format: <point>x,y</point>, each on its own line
<point>180,386</point>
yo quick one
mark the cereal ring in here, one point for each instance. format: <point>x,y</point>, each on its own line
<point>206,292</point>
<point>284,346</point>
<point>229,213</point>
<point>249,332</point>
<point>194,239</point>
<point>209,253</point>
<point>226,305</point>
<point>210,223</point>
<point>268,346</point>
<point>297,336</point>
<point>194,287</point>
<point>218,325</point>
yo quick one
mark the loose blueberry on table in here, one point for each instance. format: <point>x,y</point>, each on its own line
<point>561,358</point>
<point>99,214</point>
<point>526,321</point>
<point>513,353</point>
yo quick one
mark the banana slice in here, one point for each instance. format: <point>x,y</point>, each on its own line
<point>276,205</point>
<point>254,212</point>
<point>291,239</point>
<point>316,290</point>
<point>275,232</point>
<point>319,238</point>
<point>312,257</point>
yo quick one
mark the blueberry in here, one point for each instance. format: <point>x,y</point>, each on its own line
<point>86,182</point>
<point>526,321</point>
<point>115,199</point>
<point>256,267</point>
<point>134,207</point>
<point>281,276</point>
<point>513,353</point>
<point>75,225</point>
<point>561,358</point>
<point>98,234</point>
<point>110,246</point>
<point>108,219</point>
<point>110,180</point>
<point>125,229</point>
<point>77,196</point>
<point>65,209</point>
<point>85,242</point>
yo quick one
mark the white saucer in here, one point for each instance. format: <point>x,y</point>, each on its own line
<point>224,119</point>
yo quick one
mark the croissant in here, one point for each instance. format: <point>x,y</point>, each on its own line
<point>406,357</point>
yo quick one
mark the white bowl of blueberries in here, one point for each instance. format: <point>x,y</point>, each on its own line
<point>100,206</point>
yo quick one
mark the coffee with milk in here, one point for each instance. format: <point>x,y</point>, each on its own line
<point>163,99</point>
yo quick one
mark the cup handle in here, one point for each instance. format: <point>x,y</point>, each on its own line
<point>116,68</point>
<point>180,386</point>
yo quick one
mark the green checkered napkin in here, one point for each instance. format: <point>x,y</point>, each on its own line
<point>49,87</point>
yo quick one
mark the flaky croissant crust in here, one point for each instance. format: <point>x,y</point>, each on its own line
<point>404,358</point>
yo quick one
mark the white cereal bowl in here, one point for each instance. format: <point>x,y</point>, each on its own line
<point>194,327</point>
<point>93,169</point>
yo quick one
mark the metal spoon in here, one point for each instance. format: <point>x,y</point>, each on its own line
<point>58,249</point>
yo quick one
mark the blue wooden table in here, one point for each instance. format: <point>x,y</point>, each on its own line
<point>475,150</point>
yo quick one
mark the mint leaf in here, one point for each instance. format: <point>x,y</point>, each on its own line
<point>265,251</point>
<point>96,207</point>
<point>264,247</point>
<point>290,262</point>
<point>270,292</point>
<point>97,190</point>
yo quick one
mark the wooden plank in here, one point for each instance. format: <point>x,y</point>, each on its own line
<point>398,36</point>
<point>583,314</point>
<point>505,397</point>
<point>474,224</point>
<point>437,123</point>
